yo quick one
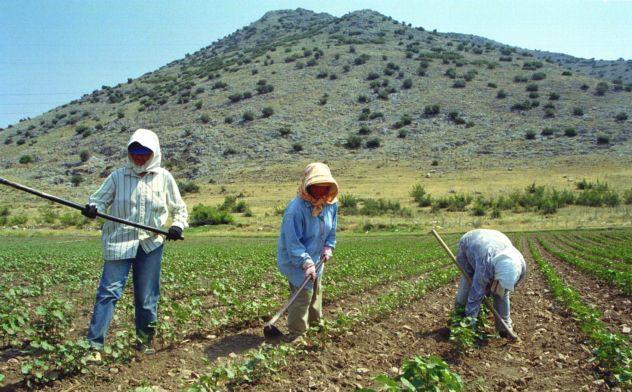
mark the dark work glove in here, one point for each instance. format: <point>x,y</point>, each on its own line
<point>175,233</point>
<point>89,211</point>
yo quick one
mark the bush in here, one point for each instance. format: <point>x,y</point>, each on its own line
<point>529,135</point>
<point>206,215</point>
<point>548,131</point>
<point>76,179</point>
<point>353,142</point>
<point>601,88</point>
<point>459,83</point>
<point>267,112</point>
<point>419,195</point>
<point>621,116</point>
<point>284,131</point>
<point>68,219</point>
<point>501,94</point>
<point>403,121</point>
<point>188,187</point>
<point>532,87</point>
<point>603,139</point>
<point>408,83</point>
<point>297,147</point>
<point>373,143</point>
<point>570,132</point>
<point>431,110</point>
<point>229,119</point>
<point>627,198</point>
<point>25,159</point>
<point>248,116</point>
<point>198,105</point>
<point>402,134</point>
<point>520,79</point>
<point>364,130</point>
<point>236,97</point>
<point>538,76</point>
<point>554,96</point>
<point>363,98</point>
<point>372,76</point>
<point>577,111</point>
<point>348,203</point>
<point>525,105</point>
<point>373,207</point>
<point>4,214</point>
<point>492,85</point>
<point>265,89</point>
<point>84,155</point>
<point>205,118</point>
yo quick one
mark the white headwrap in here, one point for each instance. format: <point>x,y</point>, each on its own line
<point>508,267</point>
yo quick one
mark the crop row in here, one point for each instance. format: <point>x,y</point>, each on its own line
<point>620,279</point>
<point>612,352</point>
<point>589,254</point>
<point>614,249</point>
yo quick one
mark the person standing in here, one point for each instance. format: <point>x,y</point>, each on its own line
<point>308,233</point>
<point>495,267</point>
<point>145,193</point>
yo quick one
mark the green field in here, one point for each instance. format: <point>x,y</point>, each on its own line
<point>218,291</point>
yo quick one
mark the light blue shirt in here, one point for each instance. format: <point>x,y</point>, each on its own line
<point>303,238</point>
<point>477,252</point>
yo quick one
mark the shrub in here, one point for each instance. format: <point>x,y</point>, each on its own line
<point>297,147</point>
<point>373,207</point>
<point>364,130</point>
<point>372,76</point>
<point>603,139</point>
<point>627,198</point>
<point>403,121</point>
<point>532,87</point>
<point>373,143</point>
<point>538,76</point>
<point>459,83</point>
<point>363,98</point>
<point>84,155</point>
<point>601,88</point>
<point>248,116</point>
<point>570,132</point>
<point>408,83</point>
<point>198,105</point>
<point>534,95</point>
<point>267,112</point>
<point>284,131</point>
<point>621,116</point>
<point>525,105</point>
<point>375,115</point>
<point>501,94</point>
<point>68,219</point>
<point>348,202</point>
<point>267,88</point>
<point>229,119</point>
<point>554,96</point>
<point>549,113</point>
<point>206,215</point>
<point>577,111</point>
<point>205,118</point>
<point>431,110</point>
<point>76,179</point>
<point>236,97</point>
<point>81,129</point>
<point>451,73</point>
<point>4,213</point>
<point>529,135</point>
<point>25,159</point>
<point>419,195</point>
<point>520,79</point>
<point>188,187</point>
<point>402,134</point>
<point>567,73</point>
<point>548,131</point>
<point>353,142</point>
<point>17,220</point>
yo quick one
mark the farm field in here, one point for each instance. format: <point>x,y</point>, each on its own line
<point>387,298</point>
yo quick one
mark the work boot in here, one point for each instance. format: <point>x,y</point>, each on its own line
<point>506,335</point>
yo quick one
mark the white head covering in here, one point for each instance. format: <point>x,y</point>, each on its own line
<point>148,139</point>
<point>508,265</point>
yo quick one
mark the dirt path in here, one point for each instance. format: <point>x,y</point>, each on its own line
<point>550,356</point>
<point>608,298</point>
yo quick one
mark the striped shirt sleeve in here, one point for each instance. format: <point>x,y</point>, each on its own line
<point>175,204</point>
<point>104,196</point>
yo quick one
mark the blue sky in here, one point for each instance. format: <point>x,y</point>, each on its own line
<point>53,51</point>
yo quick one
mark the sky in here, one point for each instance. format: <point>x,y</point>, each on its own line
<point>54,51</point>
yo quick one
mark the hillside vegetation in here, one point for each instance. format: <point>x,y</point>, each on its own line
<point>296,86</point>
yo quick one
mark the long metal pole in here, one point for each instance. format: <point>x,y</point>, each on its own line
<point>79,207</point>
<point>469,280</point>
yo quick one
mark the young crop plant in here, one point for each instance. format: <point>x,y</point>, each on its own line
<point>426,374</point>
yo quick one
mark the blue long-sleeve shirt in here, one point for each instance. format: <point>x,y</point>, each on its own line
<point>303,237</point>
<point>477,251</point>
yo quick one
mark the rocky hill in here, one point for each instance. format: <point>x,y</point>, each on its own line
<point>297,85</point>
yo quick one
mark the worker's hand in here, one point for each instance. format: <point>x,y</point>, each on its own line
<point>327,253</point>
<point>309,270</point>
<point>175,233</point>
<point>89,211</point>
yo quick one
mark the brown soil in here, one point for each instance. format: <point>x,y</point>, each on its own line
<point>609,299</point>
<point>550,356</point>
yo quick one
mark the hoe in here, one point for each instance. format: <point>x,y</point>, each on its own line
<point>80,207</point>
<point>269,330</point>
<point>469,280</point>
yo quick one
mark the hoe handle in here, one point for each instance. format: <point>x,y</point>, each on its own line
<point>79,207</point>
<point>469,280</point>
<point>278,314</point>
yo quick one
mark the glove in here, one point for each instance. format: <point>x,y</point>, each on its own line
<point>326,253</point>
<point>89,211</point>
<point>309,270</point>
<point>175,233</point>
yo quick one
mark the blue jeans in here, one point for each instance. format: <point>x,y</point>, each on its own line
<point>146,274</point>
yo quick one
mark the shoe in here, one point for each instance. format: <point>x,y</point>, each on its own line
<point>506,335</point>
<point>93,356</point>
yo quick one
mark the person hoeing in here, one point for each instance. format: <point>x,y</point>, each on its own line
<point>141,192</point>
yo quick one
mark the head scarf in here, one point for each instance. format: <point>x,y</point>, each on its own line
<point>508,266</point>
<point>314,174</point>
<point>149,139</point>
